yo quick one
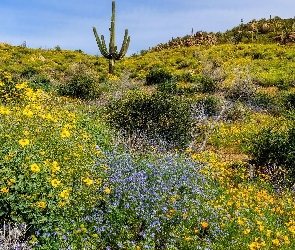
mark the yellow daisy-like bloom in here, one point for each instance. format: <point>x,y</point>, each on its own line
<point>24,142</point>
<point>55,182</point>
<point>204,224</point>
<point>88,181</point>
<point>64,194</point>
<point>28,113</point>
<point>4,190</point>
<point>254,245</point>
<point>41,204</point>
<point>276,242</point>
<point>65,133</point>
<point>107,190</point>
<point>35,168</point>
<point>4,111</point>
<point>55,167</point>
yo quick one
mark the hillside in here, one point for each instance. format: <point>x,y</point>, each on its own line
<point>185,147</point>
<point>263,31</point>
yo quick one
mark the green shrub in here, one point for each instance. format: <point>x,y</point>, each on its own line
<point>208,85</point>
<point>29,71</point>
<point>289,100</point>
<point>155,115</point>
<point>236,112</point>
<point>157,76</point>
<point>169,87</point>
<point>242,89</point>
<point>210,105</point>
<point>81,83</point>
<point>41,82</point>
<point>273,147</point>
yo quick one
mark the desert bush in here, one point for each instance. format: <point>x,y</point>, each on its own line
<point>235,111</point>
<point>14,237</point>
<point>81,83</point>
<point>241,89</point>
<point>288,100</point>
<point>29,71</point>
<point>208,85</point>
<point>41,81</point>
<point>157,114</point>
<point>208,104</point>
<point>169,87</point>
<point>158,75</point>
<point>273,147</point>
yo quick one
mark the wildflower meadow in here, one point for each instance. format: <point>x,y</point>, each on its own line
<point>181,148</point>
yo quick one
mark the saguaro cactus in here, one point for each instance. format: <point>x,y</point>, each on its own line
<point>112,55</point>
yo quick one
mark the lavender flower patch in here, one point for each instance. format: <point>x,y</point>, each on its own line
<point>155,202</point>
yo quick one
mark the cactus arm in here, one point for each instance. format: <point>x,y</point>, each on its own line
<point>112,31</point>
<point>101,44</point>
<point>124,47</point>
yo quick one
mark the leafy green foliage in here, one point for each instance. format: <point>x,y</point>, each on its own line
<point>157,76</point>
<point>157,114</point>
<point>82,83</point>
<point>274,146</point>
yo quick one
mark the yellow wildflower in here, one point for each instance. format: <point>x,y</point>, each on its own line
<point>254,245</point>
<point>64,194</point>
<point>292,229</point>
<point>4,111</point>
<point>247,231</point>
<point>55,167</point>
<point>4,190</point>
<point>276,242</point>
<point>35,168</point>
<point>28,113</point>
<point>107,190</point>
<point>88,181</point>
<point>24,142</point>
<point>41,204</point>
<point>65,133</point>
<point>204,224</point>
<point>55,182</point>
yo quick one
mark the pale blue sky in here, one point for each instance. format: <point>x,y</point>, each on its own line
<point>68,23</point>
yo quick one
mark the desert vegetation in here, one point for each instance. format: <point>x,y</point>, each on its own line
<point>183,147</point>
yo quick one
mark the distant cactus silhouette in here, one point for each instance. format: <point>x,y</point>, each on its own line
<point>112,55</point>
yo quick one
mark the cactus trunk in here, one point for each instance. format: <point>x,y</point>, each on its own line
<point>112,55</point>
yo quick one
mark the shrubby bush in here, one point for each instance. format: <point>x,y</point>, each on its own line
<point>157,114</point>
<point>81,82</point>
<point>209,104</point>
<point>273,148</point>
<point>158,75</point>
<point>169,87</point>
<point>41,81</point>
<point>236,111</point>
<point>242,89</point>
<point>288,100</point>
<point>208,85</point>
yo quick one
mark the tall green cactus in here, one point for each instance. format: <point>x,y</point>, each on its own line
<point>112,55</point>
